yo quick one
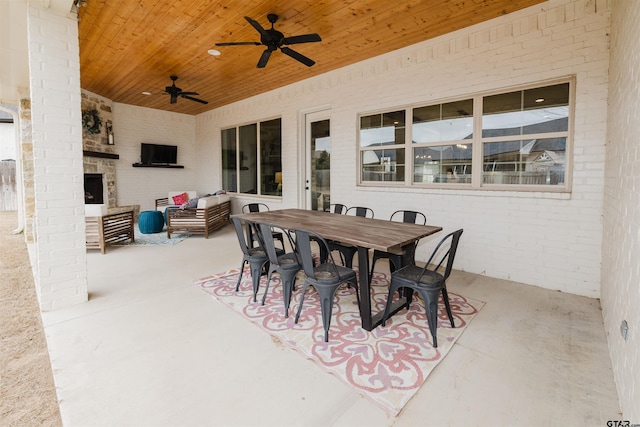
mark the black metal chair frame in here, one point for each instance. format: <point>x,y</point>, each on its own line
<point>396,259</point>
<point>286,264</point>
<point>255,256</point>
<point>427,282</point>
<point>326,278</point>
<point>262,207</point>
<point>338,208</point>
<point>347,251</point>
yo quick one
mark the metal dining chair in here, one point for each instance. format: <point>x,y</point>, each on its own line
<point>347,251</point>
<point>255,256</point>
<point>428,282</point>
<point>395,258</point>
<point>286,264</point>
<point>261,207</point>
<point>338,208</point>
<point>326,278</point>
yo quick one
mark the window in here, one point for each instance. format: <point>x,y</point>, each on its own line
<point>252,158</point>
<point>517,138</point>
<point>380,135</point>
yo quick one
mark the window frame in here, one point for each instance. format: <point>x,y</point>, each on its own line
<point>259,161</point>
<point>477,142</point>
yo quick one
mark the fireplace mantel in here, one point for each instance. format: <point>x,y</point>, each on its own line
<point>100,154</point>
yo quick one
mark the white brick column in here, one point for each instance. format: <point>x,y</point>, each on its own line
<point>60,253</point>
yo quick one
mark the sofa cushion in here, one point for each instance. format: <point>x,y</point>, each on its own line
<point>206,202</point>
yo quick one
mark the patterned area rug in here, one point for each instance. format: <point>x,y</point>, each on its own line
<point>153,239</point>
<point>387,365</point>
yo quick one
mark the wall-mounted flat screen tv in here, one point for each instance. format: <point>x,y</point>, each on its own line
<point>156,154</point>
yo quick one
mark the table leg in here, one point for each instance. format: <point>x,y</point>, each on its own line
<point>365,288</point>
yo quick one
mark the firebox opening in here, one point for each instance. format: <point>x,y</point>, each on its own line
<point>93,189</point>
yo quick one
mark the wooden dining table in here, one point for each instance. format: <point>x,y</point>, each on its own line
<point>364,233</point>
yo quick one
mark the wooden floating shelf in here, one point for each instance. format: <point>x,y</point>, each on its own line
<point>100,154</point>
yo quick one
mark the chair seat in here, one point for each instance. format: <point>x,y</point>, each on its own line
<point>288,261</point>
<point>330,273</point>
<point>410,273</point>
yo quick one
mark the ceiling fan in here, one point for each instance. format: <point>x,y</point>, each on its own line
<point>275,40</point>
<point>175,92</point>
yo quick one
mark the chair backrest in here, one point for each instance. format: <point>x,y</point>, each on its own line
<point>409,216</point>
<point>254,207</point>
<point>360,211</point>
<point>303,247</point>
<point>240,231</point>
<point>449,255</point>
<point>265,236</point>
<point>337,208</point>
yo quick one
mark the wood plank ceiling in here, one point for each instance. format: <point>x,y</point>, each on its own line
<point>129,47</point>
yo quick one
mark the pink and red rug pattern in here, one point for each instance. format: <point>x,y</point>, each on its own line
<point>387,365</point>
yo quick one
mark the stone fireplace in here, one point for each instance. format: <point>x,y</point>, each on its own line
<point>100,180</point>
<point>93,189</point>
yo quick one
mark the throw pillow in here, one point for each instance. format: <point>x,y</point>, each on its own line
<point>180,198</point>
<point>190,204</point>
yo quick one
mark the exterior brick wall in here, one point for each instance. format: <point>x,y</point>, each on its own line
<point>621,244</point>
<point>60,251</point>
<point>543,239</point>
<point>141,186</point>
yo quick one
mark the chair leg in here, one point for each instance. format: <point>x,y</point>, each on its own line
<point>240,275</point>
<point>431,298</point>
<point>326,295</point>
<point>288,285</point>
<point>256,272</point>
<point>445,297</point>
<point>304,290</point>
<point>266,288</point>
<point>392,289</point>
<point>373,264</point>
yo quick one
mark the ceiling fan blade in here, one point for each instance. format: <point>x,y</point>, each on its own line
<point>239,44</point>
<point>174,99</point>
<point>305,38</point>
<point>258,27</point>
<point>298,56</point>
<point>264,58</point>
<point>194,99</point>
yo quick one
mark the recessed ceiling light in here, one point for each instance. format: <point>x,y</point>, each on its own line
<point>213,52</point>
<point>540,100</point>
<point>146,93</point>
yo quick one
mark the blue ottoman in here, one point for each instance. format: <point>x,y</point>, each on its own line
<point>150,222</point>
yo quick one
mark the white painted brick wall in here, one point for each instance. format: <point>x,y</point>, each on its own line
<point>141,186</point>
<point>621,245</point>
<point>548,240</point>
<point>60,252</point>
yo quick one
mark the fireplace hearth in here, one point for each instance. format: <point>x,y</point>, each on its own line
<point>93,189</point>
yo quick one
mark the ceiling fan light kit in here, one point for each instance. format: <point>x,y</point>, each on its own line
<point>273,40</point>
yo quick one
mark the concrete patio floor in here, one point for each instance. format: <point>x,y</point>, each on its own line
<point>151,349</point>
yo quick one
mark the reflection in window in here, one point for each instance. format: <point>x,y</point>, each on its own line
<point>383,165</point>
<point>443,122</point>
<point>526,162</point>
<point>526,112</point>
<point>442,164</point>
<point>524,139</point>
<point>382,129</point>
<point>270,158</point>
<point>229,159</point>
<point>243,171</point>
